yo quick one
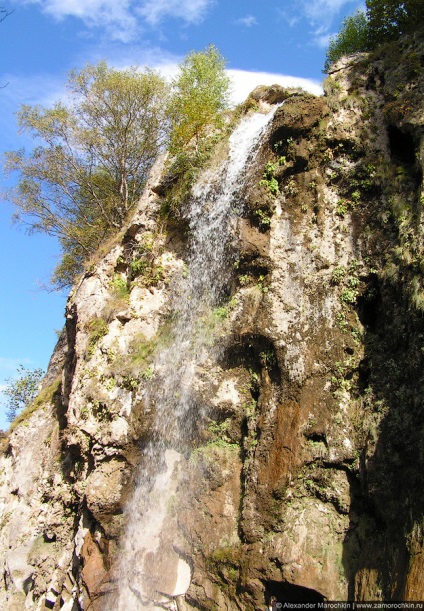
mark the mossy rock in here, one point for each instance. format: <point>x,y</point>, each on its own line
<point>272,94</point>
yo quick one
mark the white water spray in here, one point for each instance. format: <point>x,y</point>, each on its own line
<point>152,572</point>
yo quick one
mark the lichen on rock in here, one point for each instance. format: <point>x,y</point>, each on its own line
<point>301,476</point>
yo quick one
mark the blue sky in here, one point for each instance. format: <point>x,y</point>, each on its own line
<point>263,42</point>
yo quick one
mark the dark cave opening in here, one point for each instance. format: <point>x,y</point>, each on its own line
<point>283,591</point>
<point>369,304</point>
<point>402,145</point>
<point>254,352</point>
<point>317,437</point>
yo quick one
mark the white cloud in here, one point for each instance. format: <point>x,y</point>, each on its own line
<point>116,16</point>
<point>47,89</point>
<point>244,82</point>
<point>321,11</point>
<point>320,14</point>
<point>123,18</point>
<point>247,21</point>
<point>292,20</point>
<point>322,40</point>
<point>190,11</point>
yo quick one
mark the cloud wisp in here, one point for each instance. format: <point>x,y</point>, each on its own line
<point>247,21</point>
<point>320,15</point>
<point>116,16</point>
<point>123,18</point>
<point>189,11</point>
<point>244,82</point>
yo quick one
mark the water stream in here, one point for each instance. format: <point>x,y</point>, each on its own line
<point>152,572</point>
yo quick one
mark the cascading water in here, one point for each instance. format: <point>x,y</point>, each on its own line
<point>151,571</point>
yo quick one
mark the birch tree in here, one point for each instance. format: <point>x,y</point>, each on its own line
<point>91,158</point>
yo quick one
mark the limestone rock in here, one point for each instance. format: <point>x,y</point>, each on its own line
<point>301,476</point>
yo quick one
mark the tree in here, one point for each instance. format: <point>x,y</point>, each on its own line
<point>21,392</point>
<point>384,20</point>
<point>200,94</point>
<point>92,159</point>
<point>352,38</point>
<point>389,19</point>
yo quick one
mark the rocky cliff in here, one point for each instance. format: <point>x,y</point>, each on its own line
<point>301,474</point>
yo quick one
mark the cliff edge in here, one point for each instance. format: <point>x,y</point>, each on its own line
<point>301,474</point>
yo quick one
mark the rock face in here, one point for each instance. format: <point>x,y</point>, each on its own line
<point>303,480</point>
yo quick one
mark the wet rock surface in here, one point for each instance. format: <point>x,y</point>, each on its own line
<point>302,479</point>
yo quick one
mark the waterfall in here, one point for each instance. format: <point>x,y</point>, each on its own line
<point>152,572</point>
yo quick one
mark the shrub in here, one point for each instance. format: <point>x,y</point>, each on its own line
<point>268,179</point>
<point>352,37</point>
<point>21,392</point>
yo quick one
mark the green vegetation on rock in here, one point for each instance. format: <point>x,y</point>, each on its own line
<point>200,94</point>
<point>383,21</point>
<point>93,155</point>
<point>268,180</point>
<point>352,37</point>
<point>97,328</point>
<point>198,102</point>
<point>20,393</point>
<point>46,395</point>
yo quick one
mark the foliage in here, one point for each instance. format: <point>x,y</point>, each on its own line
<point>222,312</point>
<point>244,279</point>
<point>219,433</point>
<point>291,188</point>
<point>98,328</point>
<point>268,179</point>
<point>384,20</point>
<point>143,255</point>
<point>389,19</point>
<point>141,350</point>
<point>143,265</point>
<point>352,37</point>
<point>47,395</point>
<point>135,366</point>
<point>348,296</point>
<point>210,325</point>
<point>120,287</point>
<point>263,217</point>
<point>261,284</point>
<point>92,155</point>
<point>220,439</point>
<point>91,160</point>
<point>200,94</point>
<point>268,359</point>
<point>338,275</point>
<point>21,392</point>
